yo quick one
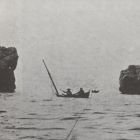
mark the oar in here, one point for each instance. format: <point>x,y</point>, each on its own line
<point>57,93</point>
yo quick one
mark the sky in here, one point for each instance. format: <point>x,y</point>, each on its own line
<point>84,42</point>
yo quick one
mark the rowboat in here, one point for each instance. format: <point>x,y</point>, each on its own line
<point>76,95</point>
<point>85,95</point>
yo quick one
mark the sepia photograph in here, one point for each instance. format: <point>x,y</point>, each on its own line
<point>69,70</point>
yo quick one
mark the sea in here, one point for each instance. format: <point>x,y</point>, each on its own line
<point>101,117</point>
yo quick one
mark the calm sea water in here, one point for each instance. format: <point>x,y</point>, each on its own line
<point>104,116</point>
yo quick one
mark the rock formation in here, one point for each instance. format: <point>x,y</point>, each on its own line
<point>130,80</point>
<point>8,63</point>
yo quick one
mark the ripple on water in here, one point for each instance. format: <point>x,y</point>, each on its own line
<point>28,137</point>
<point>98,113</point>
<point>137,115</point>
<point>57,105</point>
<point>122,116</point>
<point>32,114</point>
<point>136,128</point>
<point>77,114</point>
<point>123,139</point>
<point>32,137</point>
<point>2,111</point>
<point>70,118</point>
<point>40,119</point>
<point>55,139</point>
<point>127,104</point>
<point>90,127</point>
<point>47,100</point>
<point>33,128</point>
<point>87,109</point>
<point>33,101</point>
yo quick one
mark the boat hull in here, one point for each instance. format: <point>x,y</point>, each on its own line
<point>86,95</point>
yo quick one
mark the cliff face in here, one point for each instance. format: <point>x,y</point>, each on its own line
<point>8,63</point>
<point>130,80</point>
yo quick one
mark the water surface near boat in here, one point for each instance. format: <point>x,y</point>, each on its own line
<point>101,117</point>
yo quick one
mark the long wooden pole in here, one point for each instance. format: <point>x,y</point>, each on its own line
<point>57,93</point>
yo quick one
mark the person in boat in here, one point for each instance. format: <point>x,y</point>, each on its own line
<point>80,92</point>
<point>68,92</point>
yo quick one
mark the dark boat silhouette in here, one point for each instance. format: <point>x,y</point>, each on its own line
<point>95,91</point>
<point>76,95</point>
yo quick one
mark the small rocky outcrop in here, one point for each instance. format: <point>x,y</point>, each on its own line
<point>130,80</point>
<point>8,63</point>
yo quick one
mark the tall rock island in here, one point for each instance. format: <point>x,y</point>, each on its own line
<point>8,63</point>
<point>130,80</point>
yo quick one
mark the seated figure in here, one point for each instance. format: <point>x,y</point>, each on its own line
<point>68,92</point>
<point>80,92</point>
